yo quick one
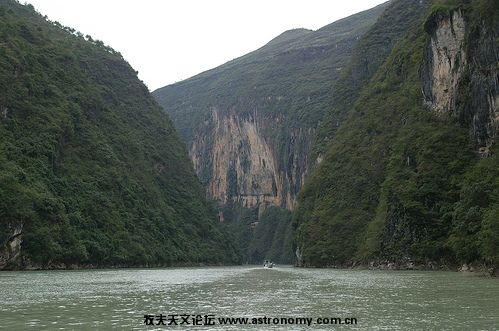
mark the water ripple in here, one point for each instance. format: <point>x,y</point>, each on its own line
<point>119,299</point>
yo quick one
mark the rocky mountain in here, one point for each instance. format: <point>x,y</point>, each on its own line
<point>409,175</point>
<point>92,171</point>
<point>249,124</point>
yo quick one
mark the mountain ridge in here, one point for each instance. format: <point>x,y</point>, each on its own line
<point>407,181</point>
<point>249,123</point>
<point>222,89</point>
<point>92,172</point>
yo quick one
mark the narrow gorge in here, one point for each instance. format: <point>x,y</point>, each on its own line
<point>377,139</point>
<point>250,124</point>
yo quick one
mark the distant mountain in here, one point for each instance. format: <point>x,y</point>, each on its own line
<point>409,176</point>
<point>250,123</point>
<point>92,172</point>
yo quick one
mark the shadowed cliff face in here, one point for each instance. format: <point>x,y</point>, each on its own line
<point>479,91</point>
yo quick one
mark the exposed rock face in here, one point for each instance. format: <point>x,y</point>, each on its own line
<point>244,167</point>
<point>446,61</point>
<point>479,98</point>
<point>249,124</point>
<point>461,76</point>
<point>10,251</point>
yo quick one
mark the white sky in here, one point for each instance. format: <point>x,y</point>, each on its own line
<point>170,40</point>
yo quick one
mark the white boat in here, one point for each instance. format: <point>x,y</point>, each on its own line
<point>268,264</point>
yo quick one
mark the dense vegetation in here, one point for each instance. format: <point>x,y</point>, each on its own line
<point>268,236</point>
<point>92,172</point>
<point>369,53</point>
<point>285,88</point>
<point>91,169</point>
<point>401,184</point>
<point>273,238</point>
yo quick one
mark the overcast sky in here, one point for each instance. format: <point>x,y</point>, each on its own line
<point>170,40</point>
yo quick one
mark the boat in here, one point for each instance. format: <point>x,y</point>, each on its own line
<point>268,264</point>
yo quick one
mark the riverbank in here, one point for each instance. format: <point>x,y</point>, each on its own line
<point>475,268</point>
<point>75,266</point>
<point>478,269</point>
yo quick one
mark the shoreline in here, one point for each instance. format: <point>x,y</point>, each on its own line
<point>471,269</point>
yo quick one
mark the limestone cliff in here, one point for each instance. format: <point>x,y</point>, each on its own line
<point>243,165</point>
<point>446,60</point>
<point>249,124</point>
<point>460,74</point>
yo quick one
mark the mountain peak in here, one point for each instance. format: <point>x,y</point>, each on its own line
<point>289,36</point>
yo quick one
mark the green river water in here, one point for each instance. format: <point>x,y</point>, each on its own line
<point>282,298</point>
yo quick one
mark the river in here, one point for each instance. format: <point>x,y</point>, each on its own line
<point>282,298</point>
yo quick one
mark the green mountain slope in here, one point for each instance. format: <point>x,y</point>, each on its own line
<point>409,179</point>
<point>92,172</point>
<point>368,55</point>
<point>249,124</point>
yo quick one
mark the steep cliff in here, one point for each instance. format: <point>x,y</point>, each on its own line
<point>248,124</point>
<point>92,171</point>
<point>460,72</point>
<point>244,167</point>
<point>410,177</point>
<point>446,60</point>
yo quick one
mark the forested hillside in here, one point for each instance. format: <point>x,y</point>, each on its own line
<point>250,123</point>
<point>371,141</point>
<point>409,178</point>
<point>92,171</point>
